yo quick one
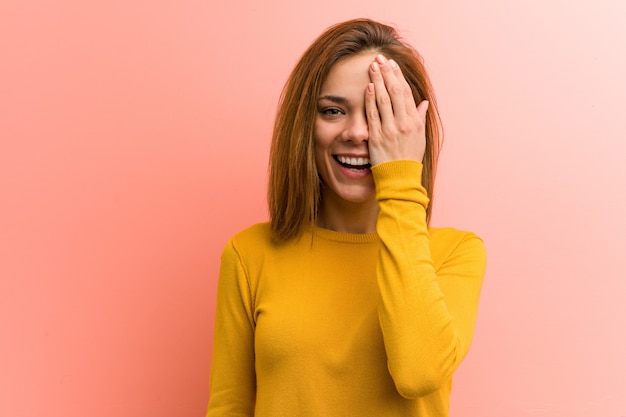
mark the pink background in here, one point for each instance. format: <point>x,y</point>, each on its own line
<point>134,143</point>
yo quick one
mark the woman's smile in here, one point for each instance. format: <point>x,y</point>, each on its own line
<point>341,131</point>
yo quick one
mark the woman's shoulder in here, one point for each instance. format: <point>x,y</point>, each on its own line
<point>249,244</point>
<point>256,248</point>
<point>450,234</point>
<point>446,242</point>
<point>254,236</point>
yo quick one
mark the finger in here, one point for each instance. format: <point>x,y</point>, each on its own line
<point>396,86</point>
<point>371,112</point>
<point>407,93</point>
<point>383,100</point>
<point>422,108</point>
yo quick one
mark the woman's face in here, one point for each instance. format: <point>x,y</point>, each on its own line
<point>341,132</point>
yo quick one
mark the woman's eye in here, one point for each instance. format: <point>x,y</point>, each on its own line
<point>331,111</point>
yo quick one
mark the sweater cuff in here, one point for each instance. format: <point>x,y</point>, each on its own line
<point>400,180</point>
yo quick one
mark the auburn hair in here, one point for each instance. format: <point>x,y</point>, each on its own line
<point>294,184</point>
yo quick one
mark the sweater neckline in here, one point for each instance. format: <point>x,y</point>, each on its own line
<point>344,237</point>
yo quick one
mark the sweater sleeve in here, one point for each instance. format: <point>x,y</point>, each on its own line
<point>233,381</point>
<point>426,314</point>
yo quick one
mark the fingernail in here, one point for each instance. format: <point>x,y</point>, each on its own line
<point>370,87</point>
<point>374,67</point>
<point>381,59</point>
<point>393,64</point>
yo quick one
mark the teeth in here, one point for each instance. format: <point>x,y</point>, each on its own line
<point>353,161</point>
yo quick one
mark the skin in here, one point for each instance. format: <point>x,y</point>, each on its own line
<point>365,110</point>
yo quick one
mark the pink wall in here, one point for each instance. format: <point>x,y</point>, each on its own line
<point>134,140</point>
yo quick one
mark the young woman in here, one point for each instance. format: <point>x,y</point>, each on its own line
<point>347,303</point>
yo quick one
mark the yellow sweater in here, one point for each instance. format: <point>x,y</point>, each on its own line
<point>337,325</point>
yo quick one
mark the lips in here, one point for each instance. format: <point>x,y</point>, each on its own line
<point>351,162</point>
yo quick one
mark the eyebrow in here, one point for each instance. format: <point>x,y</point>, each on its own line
<point>334,99</point>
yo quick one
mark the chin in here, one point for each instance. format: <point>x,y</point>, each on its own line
<point>356,196</point>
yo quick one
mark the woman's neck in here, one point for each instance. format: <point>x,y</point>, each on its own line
<point>346,216</point>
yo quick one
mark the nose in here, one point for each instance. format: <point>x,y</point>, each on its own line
<point>357,130</point>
